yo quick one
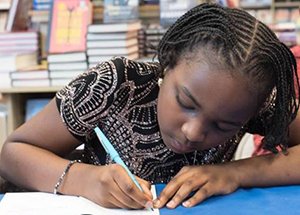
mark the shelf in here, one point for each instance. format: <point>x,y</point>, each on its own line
<point>287,4</point>
<point>30,89</point>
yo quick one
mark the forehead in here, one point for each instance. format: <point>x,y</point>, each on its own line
<point>217,90</point>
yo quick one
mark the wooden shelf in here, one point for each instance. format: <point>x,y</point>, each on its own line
<point>29,90</point>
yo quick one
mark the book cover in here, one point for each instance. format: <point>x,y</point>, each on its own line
<point>42,4</point>
<point>120,10</point>
<point>68,25</point>
<point>33,106</point>
<point>171,10</point>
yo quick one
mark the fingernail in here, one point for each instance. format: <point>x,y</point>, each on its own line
<point>186,204</point>
<point>149,204</point>
<point>156,203</point>
<point>171,204</point>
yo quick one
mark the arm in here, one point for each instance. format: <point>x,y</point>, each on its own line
<point>262,171</point>
<point>32,158</point>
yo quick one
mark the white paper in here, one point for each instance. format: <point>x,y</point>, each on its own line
<point>39,203</point>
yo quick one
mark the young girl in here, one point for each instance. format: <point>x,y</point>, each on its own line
<point>221,73</point>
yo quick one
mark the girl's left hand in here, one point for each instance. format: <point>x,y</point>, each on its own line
<point>207,180</point>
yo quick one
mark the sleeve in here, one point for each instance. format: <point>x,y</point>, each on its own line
<point>85,100</point>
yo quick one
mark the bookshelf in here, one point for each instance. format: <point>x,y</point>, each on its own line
<point>272,7</point>
<point>15,99</point>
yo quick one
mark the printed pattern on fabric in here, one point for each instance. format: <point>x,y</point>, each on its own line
<point>120,96</point>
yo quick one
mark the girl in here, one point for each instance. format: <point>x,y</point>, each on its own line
<point>221,73</point>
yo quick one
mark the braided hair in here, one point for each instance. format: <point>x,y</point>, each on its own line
<point>246,46</point>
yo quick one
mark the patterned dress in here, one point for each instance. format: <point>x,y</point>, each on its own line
<point>120,96</point>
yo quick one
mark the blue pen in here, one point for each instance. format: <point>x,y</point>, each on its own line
<point>115,156</point>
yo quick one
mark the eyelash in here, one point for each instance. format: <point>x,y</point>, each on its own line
<point>182,105</point>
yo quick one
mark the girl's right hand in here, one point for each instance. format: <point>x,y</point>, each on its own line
<point>110,186</point>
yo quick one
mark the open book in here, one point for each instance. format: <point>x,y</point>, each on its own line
<point>39,203</point>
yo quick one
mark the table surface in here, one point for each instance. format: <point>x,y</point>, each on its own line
<point>259,201</point>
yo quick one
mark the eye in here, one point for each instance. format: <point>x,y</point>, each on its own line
<point>182,105</point>
<point>222,128</point>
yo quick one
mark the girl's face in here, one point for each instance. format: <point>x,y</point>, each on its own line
<point>200,107</point>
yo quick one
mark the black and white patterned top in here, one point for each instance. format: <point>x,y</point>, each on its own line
<point>120,96</point>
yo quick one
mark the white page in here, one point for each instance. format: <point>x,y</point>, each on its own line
<point>39,203</point>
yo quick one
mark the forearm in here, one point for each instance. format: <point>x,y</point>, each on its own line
<point>33,168</point>
<point>269,170</point>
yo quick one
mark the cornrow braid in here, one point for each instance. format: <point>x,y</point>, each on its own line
<point>248,47</point>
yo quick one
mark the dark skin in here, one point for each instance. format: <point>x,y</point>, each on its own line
<point>198,116</point>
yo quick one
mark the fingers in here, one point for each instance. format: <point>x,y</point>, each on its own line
<point>131,196</point>
<point>146,186</point>
<point>171,188</point>
<point>203,193</point>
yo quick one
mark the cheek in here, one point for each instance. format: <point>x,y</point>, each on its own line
<point>214,139</point>
<point>168,113</point>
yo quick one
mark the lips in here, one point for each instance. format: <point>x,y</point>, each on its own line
<point>178,147</point>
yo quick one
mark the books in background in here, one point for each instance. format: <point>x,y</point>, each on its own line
<point>282,15</point>
<point>120,11</point>
<point>18,42</point>
<point>107,40</point>
<point>3,20</point>
<point>64,67</point>
<point>68,26</point>
<point>255,3</point>
<point>33,106</point>
<point>42,4</point>
<point>32,76</point>
<point>13,62</point>
<point>5,4</point>
<point>18,19</point>
<point>18,50</point>
<point>265,16</point>
<point>171,10</point>
<point>153,34</point>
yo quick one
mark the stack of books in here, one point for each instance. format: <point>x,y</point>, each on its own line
<point>16,42</point>
<point>4,8</point>
<point>18,50</point>
<point>64,67</point>
<point>32,76</point>
<point>115,39</point>
<point>153,35</point>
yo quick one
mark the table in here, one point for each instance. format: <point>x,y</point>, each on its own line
<point>259,201</point>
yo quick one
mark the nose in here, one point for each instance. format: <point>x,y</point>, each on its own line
<point>194,131</point>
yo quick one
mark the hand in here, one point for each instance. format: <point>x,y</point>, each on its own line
<point>110,186</point>
<point>206,180</point>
